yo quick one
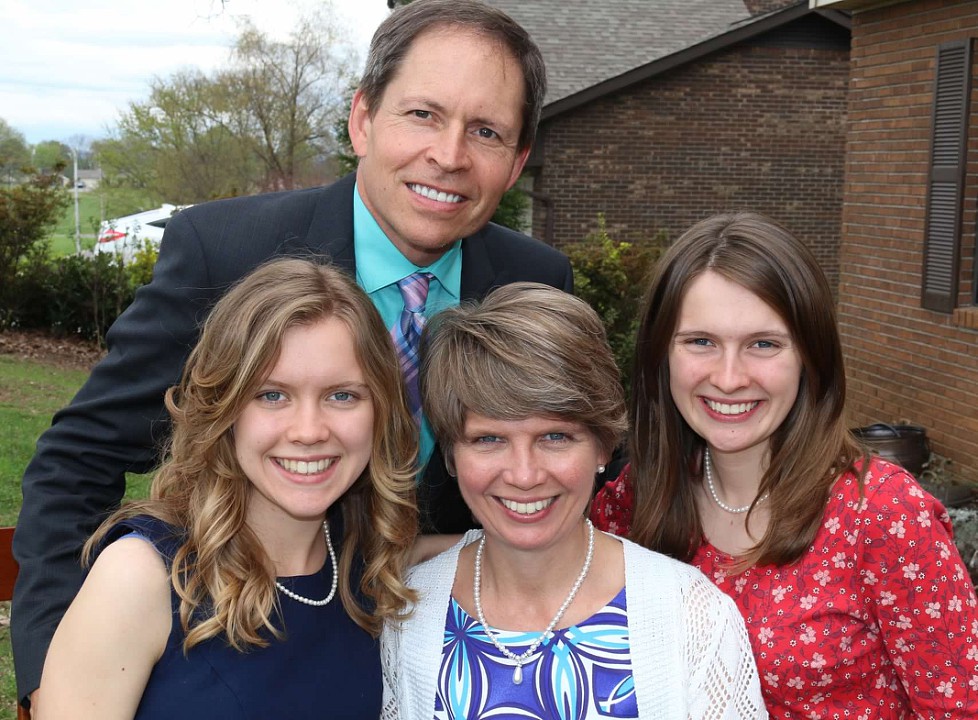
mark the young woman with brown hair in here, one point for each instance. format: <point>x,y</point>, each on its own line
<point>855,599</point>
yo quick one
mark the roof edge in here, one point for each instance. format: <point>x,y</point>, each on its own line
<point>853,5</point>
<point>740,33</point>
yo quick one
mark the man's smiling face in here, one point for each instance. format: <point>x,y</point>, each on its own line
<point>441,147</point>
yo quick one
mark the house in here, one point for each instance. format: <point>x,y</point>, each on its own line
<point>908,291</point>
<point>89,179</point>
<point>662,112</point>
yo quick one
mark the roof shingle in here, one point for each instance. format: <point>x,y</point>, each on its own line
<point>585,42</point>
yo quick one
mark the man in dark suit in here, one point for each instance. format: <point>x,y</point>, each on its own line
<point>442,123</point>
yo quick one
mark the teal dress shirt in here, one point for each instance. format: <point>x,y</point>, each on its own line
<point>380,266</point>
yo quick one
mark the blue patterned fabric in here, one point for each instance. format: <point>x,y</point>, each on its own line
<point>583,671</point>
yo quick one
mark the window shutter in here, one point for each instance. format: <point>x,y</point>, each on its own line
<point>942,230</point>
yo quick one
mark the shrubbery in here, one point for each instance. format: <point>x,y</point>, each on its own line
<point>83,294</point>
<point>27,210</point>
<point>612,277</point>
<point>75,295</point>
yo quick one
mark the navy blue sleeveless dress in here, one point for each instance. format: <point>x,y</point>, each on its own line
<point>326,666</point>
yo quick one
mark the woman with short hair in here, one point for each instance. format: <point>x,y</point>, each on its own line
<point>539,614</point>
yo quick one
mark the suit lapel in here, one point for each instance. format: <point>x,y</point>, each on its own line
<point>331,228</point>
<point>330,233</point>
<point>479,273</point>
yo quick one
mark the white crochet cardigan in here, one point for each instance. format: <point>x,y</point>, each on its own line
<point>690,654</point>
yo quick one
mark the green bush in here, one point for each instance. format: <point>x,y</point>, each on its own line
<point>140,268</point>
<point>612,277</point>
<point>77,294</point>
<point>26,212</point>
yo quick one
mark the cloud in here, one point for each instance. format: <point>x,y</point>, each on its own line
<point>70,68</point>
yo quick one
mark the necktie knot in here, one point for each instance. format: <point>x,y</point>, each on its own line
<point>414,291</point>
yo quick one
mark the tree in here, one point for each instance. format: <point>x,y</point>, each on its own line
<point>49,153</point>
<point>26,210</point>
<point>176,144</point>
<point>293,93</point>
<point>611,276</point>
<point>82,145</point>
<point>265,122</point>
<point>346,158</point>
<point>14,153</point>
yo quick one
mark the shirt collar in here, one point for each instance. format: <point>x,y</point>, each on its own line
<point>379,263</point>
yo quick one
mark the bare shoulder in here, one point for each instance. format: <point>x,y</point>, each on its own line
<point>127,590</point>
<point>111,636</point>
<point>130,565</point>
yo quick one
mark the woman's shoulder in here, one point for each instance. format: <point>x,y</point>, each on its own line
<point>611,509</point>
<point>882,485</point>
<point>654,567</point>
<point>658,586</point>
<point>165,538</point>
<point>441,565</point>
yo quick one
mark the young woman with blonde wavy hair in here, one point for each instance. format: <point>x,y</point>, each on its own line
<point>255,580</point>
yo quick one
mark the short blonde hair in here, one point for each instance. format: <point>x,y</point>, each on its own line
<point>526,350</point>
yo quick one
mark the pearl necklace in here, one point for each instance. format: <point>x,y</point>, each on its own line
<point>325,601</point>
<point>522,657</point>
<point>713,491</point>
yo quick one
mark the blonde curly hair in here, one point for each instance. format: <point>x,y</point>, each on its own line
<point>222,574</point>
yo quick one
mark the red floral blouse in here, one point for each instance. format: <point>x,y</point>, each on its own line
<point>877,620</point>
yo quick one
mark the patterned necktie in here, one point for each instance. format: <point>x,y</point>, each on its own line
<point>407,335</point>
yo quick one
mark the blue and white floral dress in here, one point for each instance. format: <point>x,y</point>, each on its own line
<point>580,671</point>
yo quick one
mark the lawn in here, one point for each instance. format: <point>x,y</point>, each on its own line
<point>30,392</point>
<point>62,235</point>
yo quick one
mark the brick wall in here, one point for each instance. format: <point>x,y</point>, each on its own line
<point>758,126</point>
<point>904,362</point>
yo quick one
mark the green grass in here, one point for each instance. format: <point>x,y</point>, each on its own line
<point>8,682</point>
<point>30,393</point>
<point>89,210</point>
<point>62,235</point>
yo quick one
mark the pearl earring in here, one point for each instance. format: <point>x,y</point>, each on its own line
<point>601,469</point>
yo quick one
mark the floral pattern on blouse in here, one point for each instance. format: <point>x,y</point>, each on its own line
<point>583,671</point>
<point>877,620</point>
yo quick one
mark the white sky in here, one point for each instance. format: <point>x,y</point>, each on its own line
<point>69,67</point>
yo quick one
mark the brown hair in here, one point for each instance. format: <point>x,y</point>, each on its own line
<point>809,449</point>
<point>392,41</point>
<point>526,350</point>
<point>201,488</point>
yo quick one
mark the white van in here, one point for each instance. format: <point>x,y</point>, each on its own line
<point>126,234</point>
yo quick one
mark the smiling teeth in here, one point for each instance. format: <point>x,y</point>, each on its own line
<point>303,467</point>
<point>526,508</point>
<point>432,194</point>
<point>731,409</point>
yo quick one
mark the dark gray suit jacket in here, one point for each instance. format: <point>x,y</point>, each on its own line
<point>117,422</point>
